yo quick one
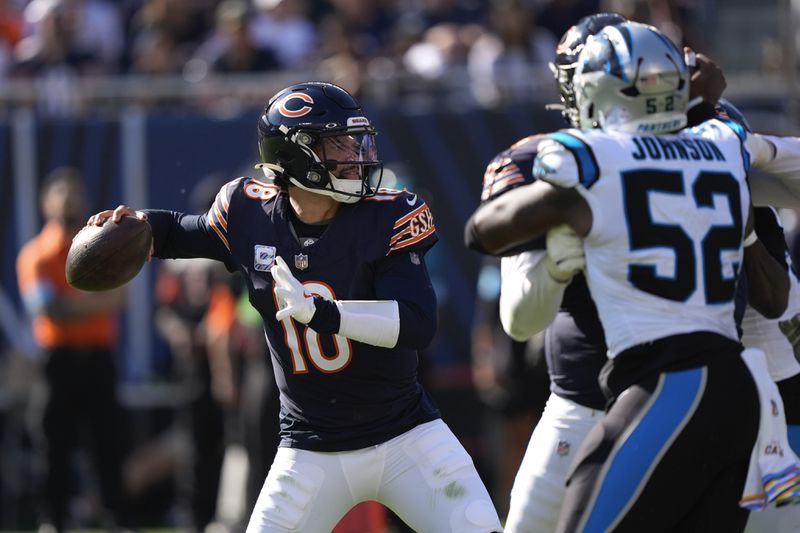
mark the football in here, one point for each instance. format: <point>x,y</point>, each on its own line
<point>108,256</point>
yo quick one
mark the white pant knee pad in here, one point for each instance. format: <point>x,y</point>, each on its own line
<point>286,499</point>
<point>478,516</point>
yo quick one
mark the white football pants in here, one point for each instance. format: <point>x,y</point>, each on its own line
<point>540,484</point>
<point>424,475</point>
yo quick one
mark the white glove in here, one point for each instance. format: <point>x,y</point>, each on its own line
<point>564,253</point>
<point>293,301</point>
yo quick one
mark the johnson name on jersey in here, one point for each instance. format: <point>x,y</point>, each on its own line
<point>357,393</point>
<point>668,216</point>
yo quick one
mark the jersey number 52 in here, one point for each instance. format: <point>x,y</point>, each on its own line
<point>644,232</point>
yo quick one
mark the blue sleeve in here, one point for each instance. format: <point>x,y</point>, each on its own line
<point>403,277</point>
<point>180,235</point>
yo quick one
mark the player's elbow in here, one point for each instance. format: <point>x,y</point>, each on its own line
<point>418,339</point>
<point>417,327</point>
<point>771,304</point>
<point>519,334</point>
<point>518,327</point>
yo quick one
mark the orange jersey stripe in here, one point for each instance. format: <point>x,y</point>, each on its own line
<point>410,215</point>
<point>220,218</point>
<point>413,240</point>
<point>399,235</point>
<point>219,234</point>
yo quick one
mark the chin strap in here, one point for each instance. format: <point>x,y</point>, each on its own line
<point>372,322</point>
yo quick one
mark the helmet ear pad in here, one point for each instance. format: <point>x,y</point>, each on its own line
<point>297,162</point>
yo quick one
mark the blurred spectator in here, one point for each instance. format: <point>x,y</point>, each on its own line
<point>512,382</point>
<point>504,59</point>
<point>338,60</point>
<point>11,30</point>
<point>185,22</point>
<point>97,30</point>
<point>680,20</point>
<point>442,47</point>
<point>155,53</point>
<point>240,53</point>
<point>367,24</point>
<point>51,56</point>
<point>559,15</point>
<point>192,297</point>
<point>77,332</point>
<point>285,27</point>
<point>454,11</point>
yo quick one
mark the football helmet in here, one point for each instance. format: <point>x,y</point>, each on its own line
<point>315,136</point>
<point>726,109</point>
<point>630,77</point>
<point>567,51</point>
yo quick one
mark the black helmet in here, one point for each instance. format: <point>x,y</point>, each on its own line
<point>313,118</point>
<point>726,109</point>
<point>567,52</point>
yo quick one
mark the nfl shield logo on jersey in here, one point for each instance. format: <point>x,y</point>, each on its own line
<point>301,261</point>
<point>563,448</point>
<point>264,258</point>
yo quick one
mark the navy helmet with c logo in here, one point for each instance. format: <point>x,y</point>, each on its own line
<point>298,124</point>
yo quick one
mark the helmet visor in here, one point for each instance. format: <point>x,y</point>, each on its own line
<point>349,155</point>
<point>352,147</point>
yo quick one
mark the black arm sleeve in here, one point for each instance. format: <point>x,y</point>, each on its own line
<point>770,233</point>
<point>179,235</point>
<point>403,277</point>
<point>700,113</point>
<point>326,319</point>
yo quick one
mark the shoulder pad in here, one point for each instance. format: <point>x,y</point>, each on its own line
<point>409,220</point>
<point>260,190</point>
<point>385,194</point>
<point>510,168</point>
<point>413,227</point>
<point>251,188</point>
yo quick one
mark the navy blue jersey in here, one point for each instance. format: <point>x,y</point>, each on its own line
<point>336,394</point>
<point>575,347</point>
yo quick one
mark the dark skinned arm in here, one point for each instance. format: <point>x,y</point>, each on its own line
<point>767,281</point>
<point>707,82</point>
<point>524,214</point>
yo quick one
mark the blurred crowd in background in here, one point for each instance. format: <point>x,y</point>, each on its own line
<point>503,46</point>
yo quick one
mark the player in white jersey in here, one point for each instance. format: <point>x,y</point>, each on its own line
<point>663,219</point>
<point>546,289</point>
<point>779,340</point>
